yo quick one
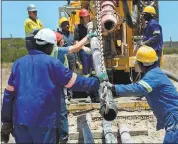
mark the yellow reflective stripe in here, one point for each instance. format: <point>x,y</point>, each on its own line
<point>72,81</point>
<point>156,32</point>
<point>66,63</point>
<point>146,85</point>
<point>88,75</point>
<point>10,88</point>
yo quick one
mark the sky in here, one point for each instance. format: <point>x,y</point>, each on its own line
<point>14,14</point>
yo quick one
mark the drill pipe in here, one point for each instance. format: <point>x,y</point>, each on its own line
<point>108,134</point>
<point>112,112</point>
<point>124,134</point>
<point>85,129</point>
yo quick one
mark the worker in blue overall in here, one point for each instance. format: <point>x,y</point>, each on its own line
<point>87,62</point>
<point>59,52</point>
<point>152,35</point>
<point>32,98</point>
<point>160,93</point>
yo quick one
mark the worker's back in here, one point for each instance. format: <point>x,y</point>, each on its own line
<point>163,98</point>
<point>38,89</point>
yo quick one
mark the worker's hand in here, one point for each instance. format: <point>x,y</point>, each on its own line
<point>109,86</point>
<point>6,129</point>
<point>78,66</point>
<point>92,34</point>
<point>103,77</point>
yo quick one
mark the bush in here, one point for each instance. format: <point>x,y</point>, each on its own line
<point>12,49</point>
<point>170,50</point>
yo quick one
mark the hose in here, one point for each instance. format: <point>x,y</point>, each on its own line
<point>171,75</point>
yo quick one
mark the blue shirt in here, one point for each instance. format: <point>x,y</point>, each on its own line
<point>160,93</point>
<point>38,81</point>
<point>153,32</point>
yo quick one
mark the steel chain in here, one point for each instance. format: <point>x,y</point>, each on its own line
<point>99,34</point>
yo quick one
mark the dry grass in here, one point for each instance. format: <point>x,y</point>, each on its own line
<point>171,63</point>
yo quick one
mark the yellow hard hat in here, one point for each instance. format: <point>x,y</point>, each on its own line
<point>149,9</point>
<point>146,54</point>
<point>63,19</point>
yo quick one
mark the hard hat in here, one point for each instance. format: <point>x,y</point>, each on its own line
<point>83,13</point>
<point>31,7</point>
<point>63,19</point>
<point>46,35</point>
<point>149,9</point>
<point>58,36</point>
<point>146,54</point>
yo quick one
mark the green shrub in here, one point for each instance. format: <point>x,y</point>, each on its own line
<point>170,50</point>
<point>12,49</point>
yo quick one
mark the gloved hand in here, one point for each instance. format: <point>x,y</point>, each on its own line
<point>92,34</point>
<point>78,66</point>
<point>103,77</point>
<point>109,86</point>
<point>6,129</point>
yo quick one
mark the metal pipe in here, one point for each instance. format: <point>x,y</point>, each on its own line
<point>124,134</point>
<point>171,75</point>
<point>108,134</point>
<point>109,18</point>
<point>112,108</point>
<point>85,129</point>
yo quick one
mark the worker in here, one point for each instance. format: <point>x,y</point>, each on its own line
<point>60,52</point>
<point>152,35</point>
<point>32,24</point>
<point>87,62</point>
<point>32,98</point>
<point>160,93</point>
<point>68,38</point>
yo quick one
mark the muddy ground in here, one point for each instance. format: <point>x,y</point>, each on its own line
<point>170,64</point>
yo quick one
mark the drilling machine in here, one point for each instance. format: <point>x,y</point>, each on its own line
<point>119,27</point>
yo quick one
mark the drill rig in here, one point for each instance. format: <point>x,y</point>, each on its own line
<point>119,28</point>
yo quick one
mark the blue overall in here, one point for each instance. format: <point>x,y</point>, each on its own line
<point>32,103</point>
<point>162,98</point>
<point>153,32</point>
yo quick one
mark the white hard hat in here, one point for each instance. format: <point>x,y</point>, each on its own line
<point>46,35</point>
<point>31,7</point>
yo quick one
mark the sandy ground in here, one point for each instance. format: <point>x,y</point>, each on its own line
<point>170,64</point>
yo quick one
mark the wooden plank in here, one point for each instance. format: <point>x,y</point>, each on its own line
<point>130,106</point>
<point>98,134</point>
<point>128,116</point>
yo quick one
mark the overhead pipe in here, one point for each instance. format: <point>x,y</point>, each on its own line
<point>108,134</point>
<point>110,107</point>
<point>109,17</point>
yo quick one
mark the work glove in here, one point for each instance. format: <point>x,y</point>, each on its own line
<point>109,86</point>
<point>102,77</point>
<point>78,66</point>
<point>6,129</point>
<point>92,34</point>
